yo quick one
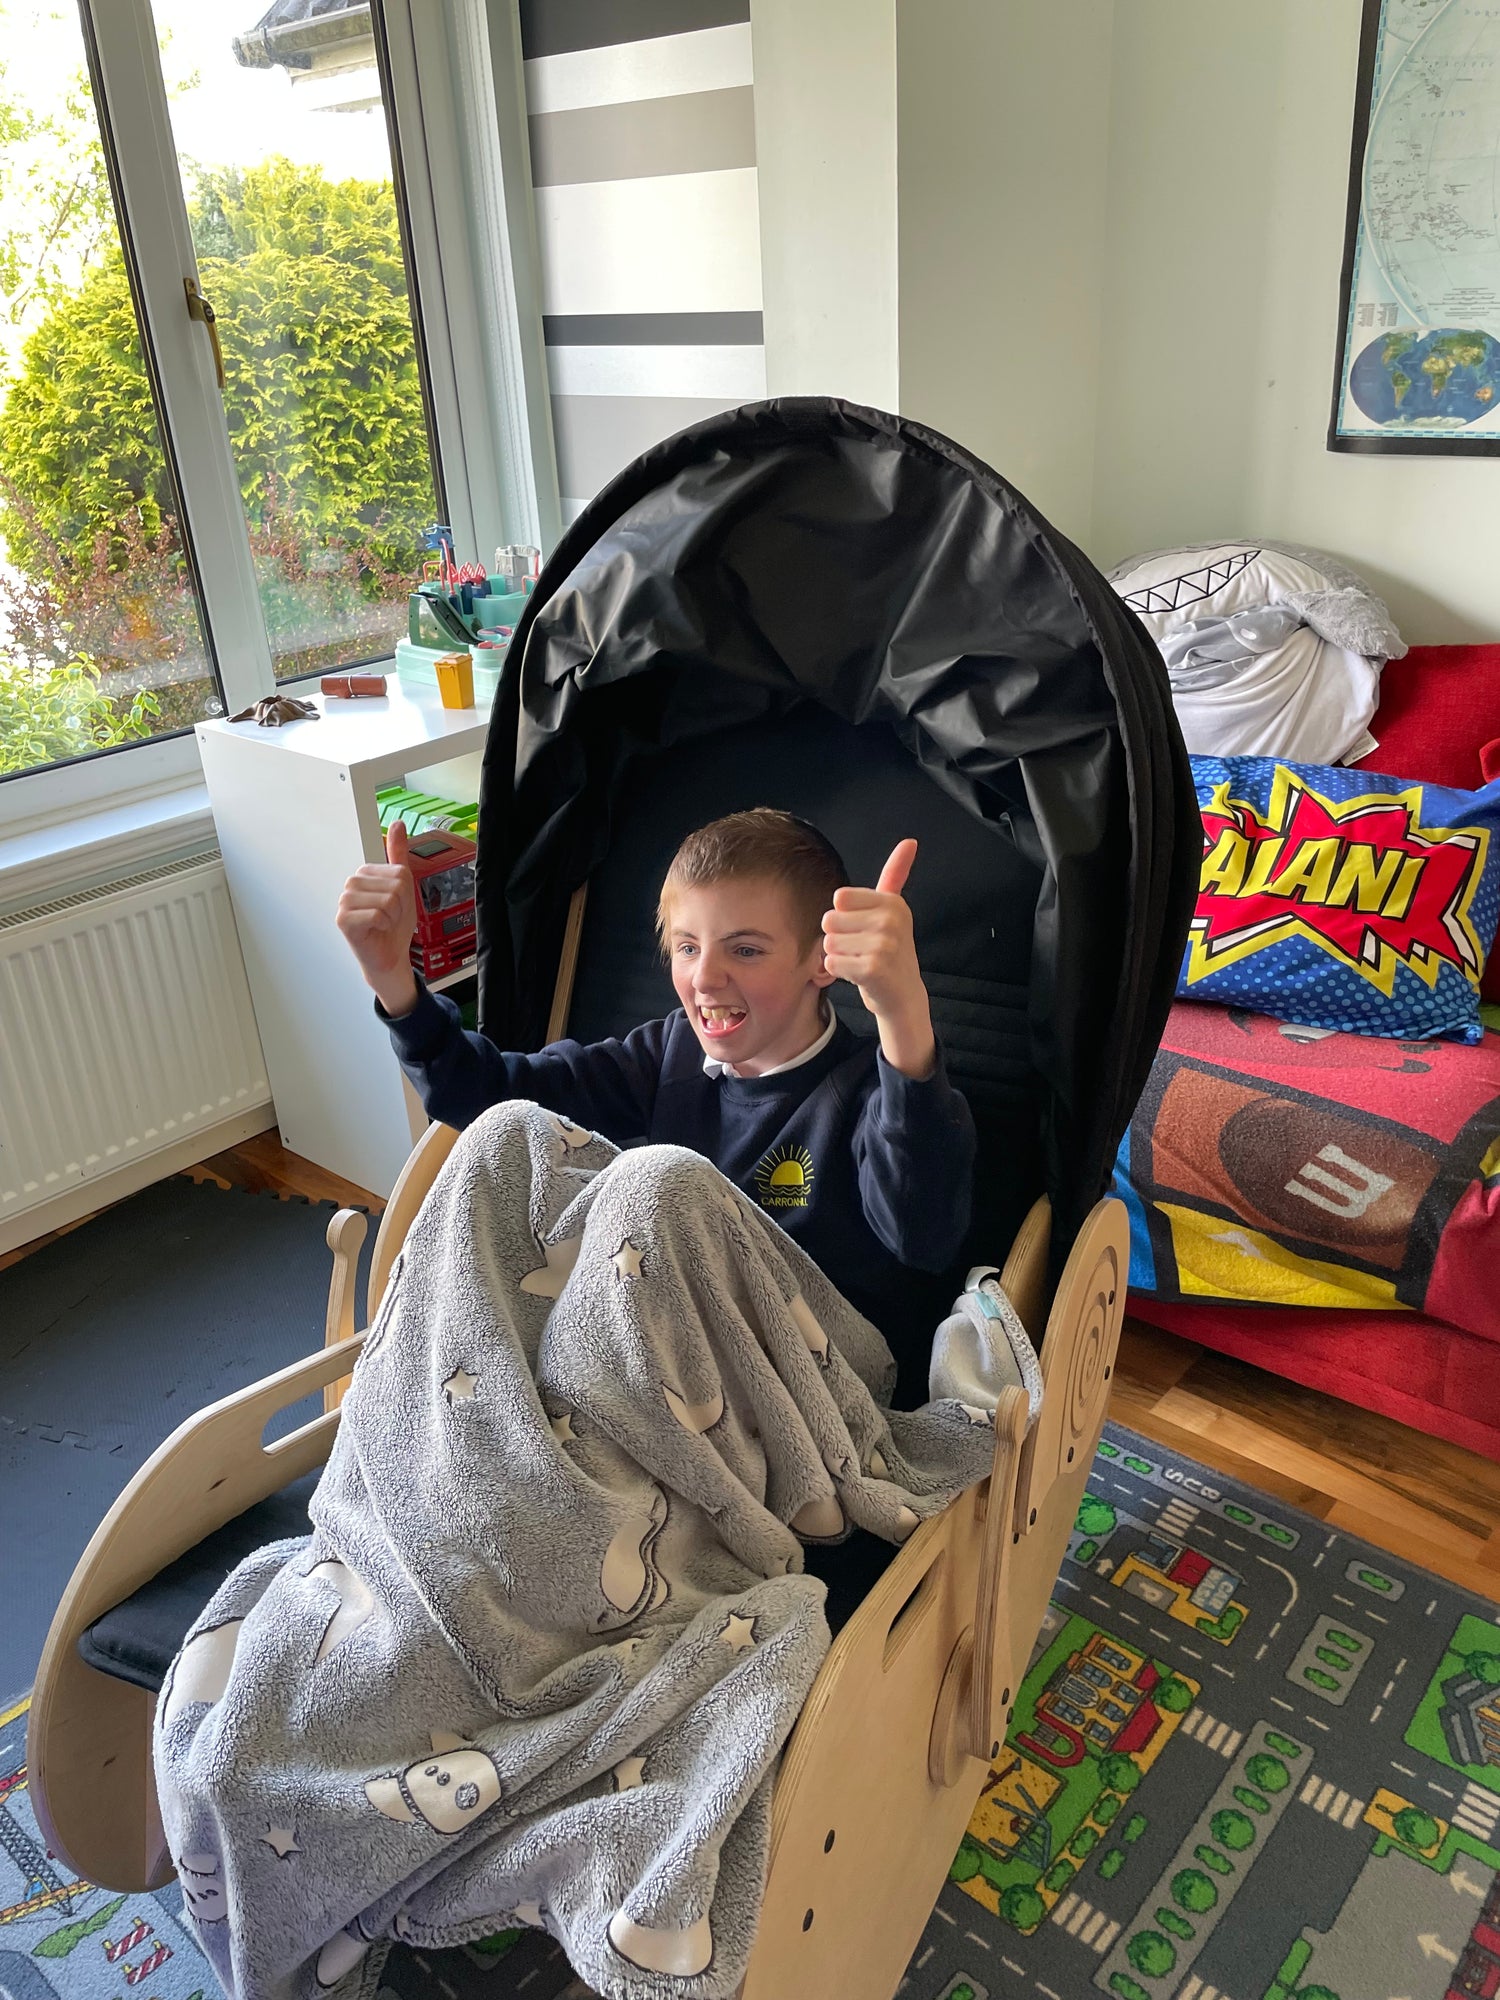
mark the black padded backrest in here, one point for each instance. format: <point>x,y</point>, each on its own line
<point>972,896</point>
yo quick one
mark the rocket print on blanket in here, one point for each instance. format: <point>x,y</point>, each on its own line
<point>448,1790</point>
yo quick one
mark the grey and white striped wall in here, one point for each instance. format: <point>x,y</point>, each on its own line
<point>642,124</point>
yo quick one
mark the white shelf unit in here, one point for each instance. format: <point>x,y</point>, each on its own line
<point>296,815</point>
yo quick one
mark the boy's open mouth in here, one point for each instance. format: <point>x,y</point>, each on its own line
<point>717,1021</point>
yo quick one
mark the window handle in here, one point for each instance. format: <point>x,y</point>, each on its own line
<point>200,309</point>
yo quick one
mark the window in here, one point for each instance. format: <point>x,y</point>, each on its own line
<point>285,162</point>
<point>182,524</point>
<point>101,632</point>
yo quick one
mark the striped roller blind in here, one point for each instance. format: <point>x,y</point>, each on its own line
<point>643,158</point>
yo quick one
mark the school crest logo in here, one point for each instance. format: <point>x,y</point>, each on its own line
<point>784,1178</point>
<point>1362,879</point>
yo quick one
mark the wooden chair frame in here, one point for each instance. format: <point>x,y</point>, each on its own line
<point>897,1731</point>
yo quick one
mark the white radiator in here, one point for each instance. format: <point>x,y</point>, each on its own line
<point>127,1043</point>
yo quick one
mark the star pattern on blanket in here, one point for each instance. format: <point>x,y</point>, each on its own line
<point>282,1840</point>
<point>562,1427</point>
<point>977,1416</point>
<point>738,1633</point>
<point>627,1260</point>
<point>630,1774</point>
<point>548,1279</point>
<point>460,1386</point>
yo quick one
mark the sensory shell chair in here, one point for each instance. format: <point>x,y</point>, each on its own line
<point>823,608</point>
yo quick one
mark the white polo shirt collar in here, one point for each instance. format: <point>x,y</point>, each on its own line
<point>712,1067</point>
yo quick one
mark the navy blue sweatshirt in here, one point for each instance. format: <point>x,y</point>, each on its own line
<point>870,1171</point>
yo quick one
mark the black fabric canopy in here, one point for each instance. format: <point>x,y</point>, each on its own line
<point>806,566</point>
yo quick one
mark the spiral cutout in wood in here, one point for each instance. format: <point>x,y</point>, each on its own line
<point>1088,1387</point>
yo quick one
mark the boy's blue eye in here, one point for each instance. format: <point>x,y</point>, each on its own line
<point>747,951</point>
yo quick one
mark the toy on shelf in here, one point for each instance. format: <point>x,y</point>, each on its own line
<point>442,865</point>
<point>352,687</point>
<point>455,679</point>
<point>464,606</point>
<point>424,812</point>
<point>274,709</point>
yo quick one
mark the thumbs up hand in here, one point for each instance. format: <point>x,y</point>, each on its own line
<point>377,914</point>
<point>868,939</point>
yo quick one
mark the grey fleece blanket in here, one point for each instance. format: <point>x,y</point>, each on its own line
<point>539,1657</point>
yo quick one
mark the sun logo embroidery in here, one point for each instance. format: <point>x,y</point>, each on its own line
<point>1363,880</point>
<point>784,1178</point>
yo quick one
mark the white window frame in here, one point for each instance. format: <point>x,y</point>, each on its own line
<point>453,80</point>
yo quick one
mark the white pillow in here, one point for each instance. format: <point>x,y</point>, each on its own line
<point>1272,650</point>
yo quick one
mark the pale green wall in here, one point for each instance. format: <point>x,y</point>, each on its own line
<point>1099,242</point>
<point>825,142</point>
<point>1228,173</point>
<point>1003,127</point>
<point>932,189</point>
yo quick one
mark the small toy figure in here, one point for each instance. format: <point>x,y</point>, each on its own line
<point>349,687</point>
<point>274,709</point>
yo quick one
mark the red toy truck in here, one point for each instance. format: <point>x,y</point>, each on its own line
<point>443,867</point>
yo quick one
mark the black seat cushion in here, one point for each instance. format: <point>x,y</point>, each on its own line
<point>140,1638</point>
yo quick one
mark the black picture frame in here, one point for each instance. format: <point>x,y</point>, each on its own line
<point>1436,446</point>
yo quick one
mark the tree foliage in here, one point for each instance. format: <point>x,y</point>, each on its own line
<point>321,394</point>
<point>1149,1952</point>
<point>1095,1517</point>
<point>1417,1828</point>
<point>1121,1773</point>
<point>1022,1906</point>
<point>54,193</point>
<point>1193,1889</point>
<point>51,713</point>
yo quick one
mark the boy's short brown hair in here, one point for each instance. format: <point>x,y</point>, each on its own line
<point>763,842</point>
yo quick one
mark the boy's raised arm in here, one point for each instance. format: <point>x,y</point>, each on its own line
<point>914,1145</point>
<point>377,915</point>
<point>457,1073</point>
<point>868,940</point>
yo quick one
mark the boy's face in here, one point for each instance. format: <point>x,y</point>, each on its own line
<point>749,985</point>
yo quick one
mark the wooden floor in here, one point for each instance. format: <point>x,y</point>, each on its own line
<point>1431,1502</point>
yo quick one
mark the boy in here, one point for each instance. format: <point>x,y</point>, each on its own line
<point>861,1150</point>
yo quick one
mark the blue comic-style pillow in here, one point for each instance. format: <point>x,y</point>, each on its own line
<point>1342,899</point>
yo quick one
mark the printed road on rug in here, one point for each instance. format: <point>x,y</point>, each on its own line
<point>1253,1759</point>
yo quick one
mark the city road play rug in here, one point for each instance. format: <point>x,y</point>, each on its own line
<point>1253,1759</point>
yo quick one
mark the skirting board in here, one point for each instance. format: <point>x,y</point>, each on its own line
<point>101,1190</point>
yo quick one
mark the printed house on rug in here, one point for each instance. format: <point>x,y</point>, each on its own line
<point>1313,1169</point>
<point>1299,1802</point>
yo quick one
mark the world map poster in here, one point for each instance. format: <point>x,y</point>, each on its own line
<point>1420,363</point>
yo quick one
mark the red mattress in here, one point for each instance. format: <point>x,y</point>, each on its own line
<point>1439,720</point>
<point>1434,1377</point>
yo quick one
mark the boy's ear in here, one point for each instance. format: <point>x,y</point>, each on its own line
<point>821,976</point>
